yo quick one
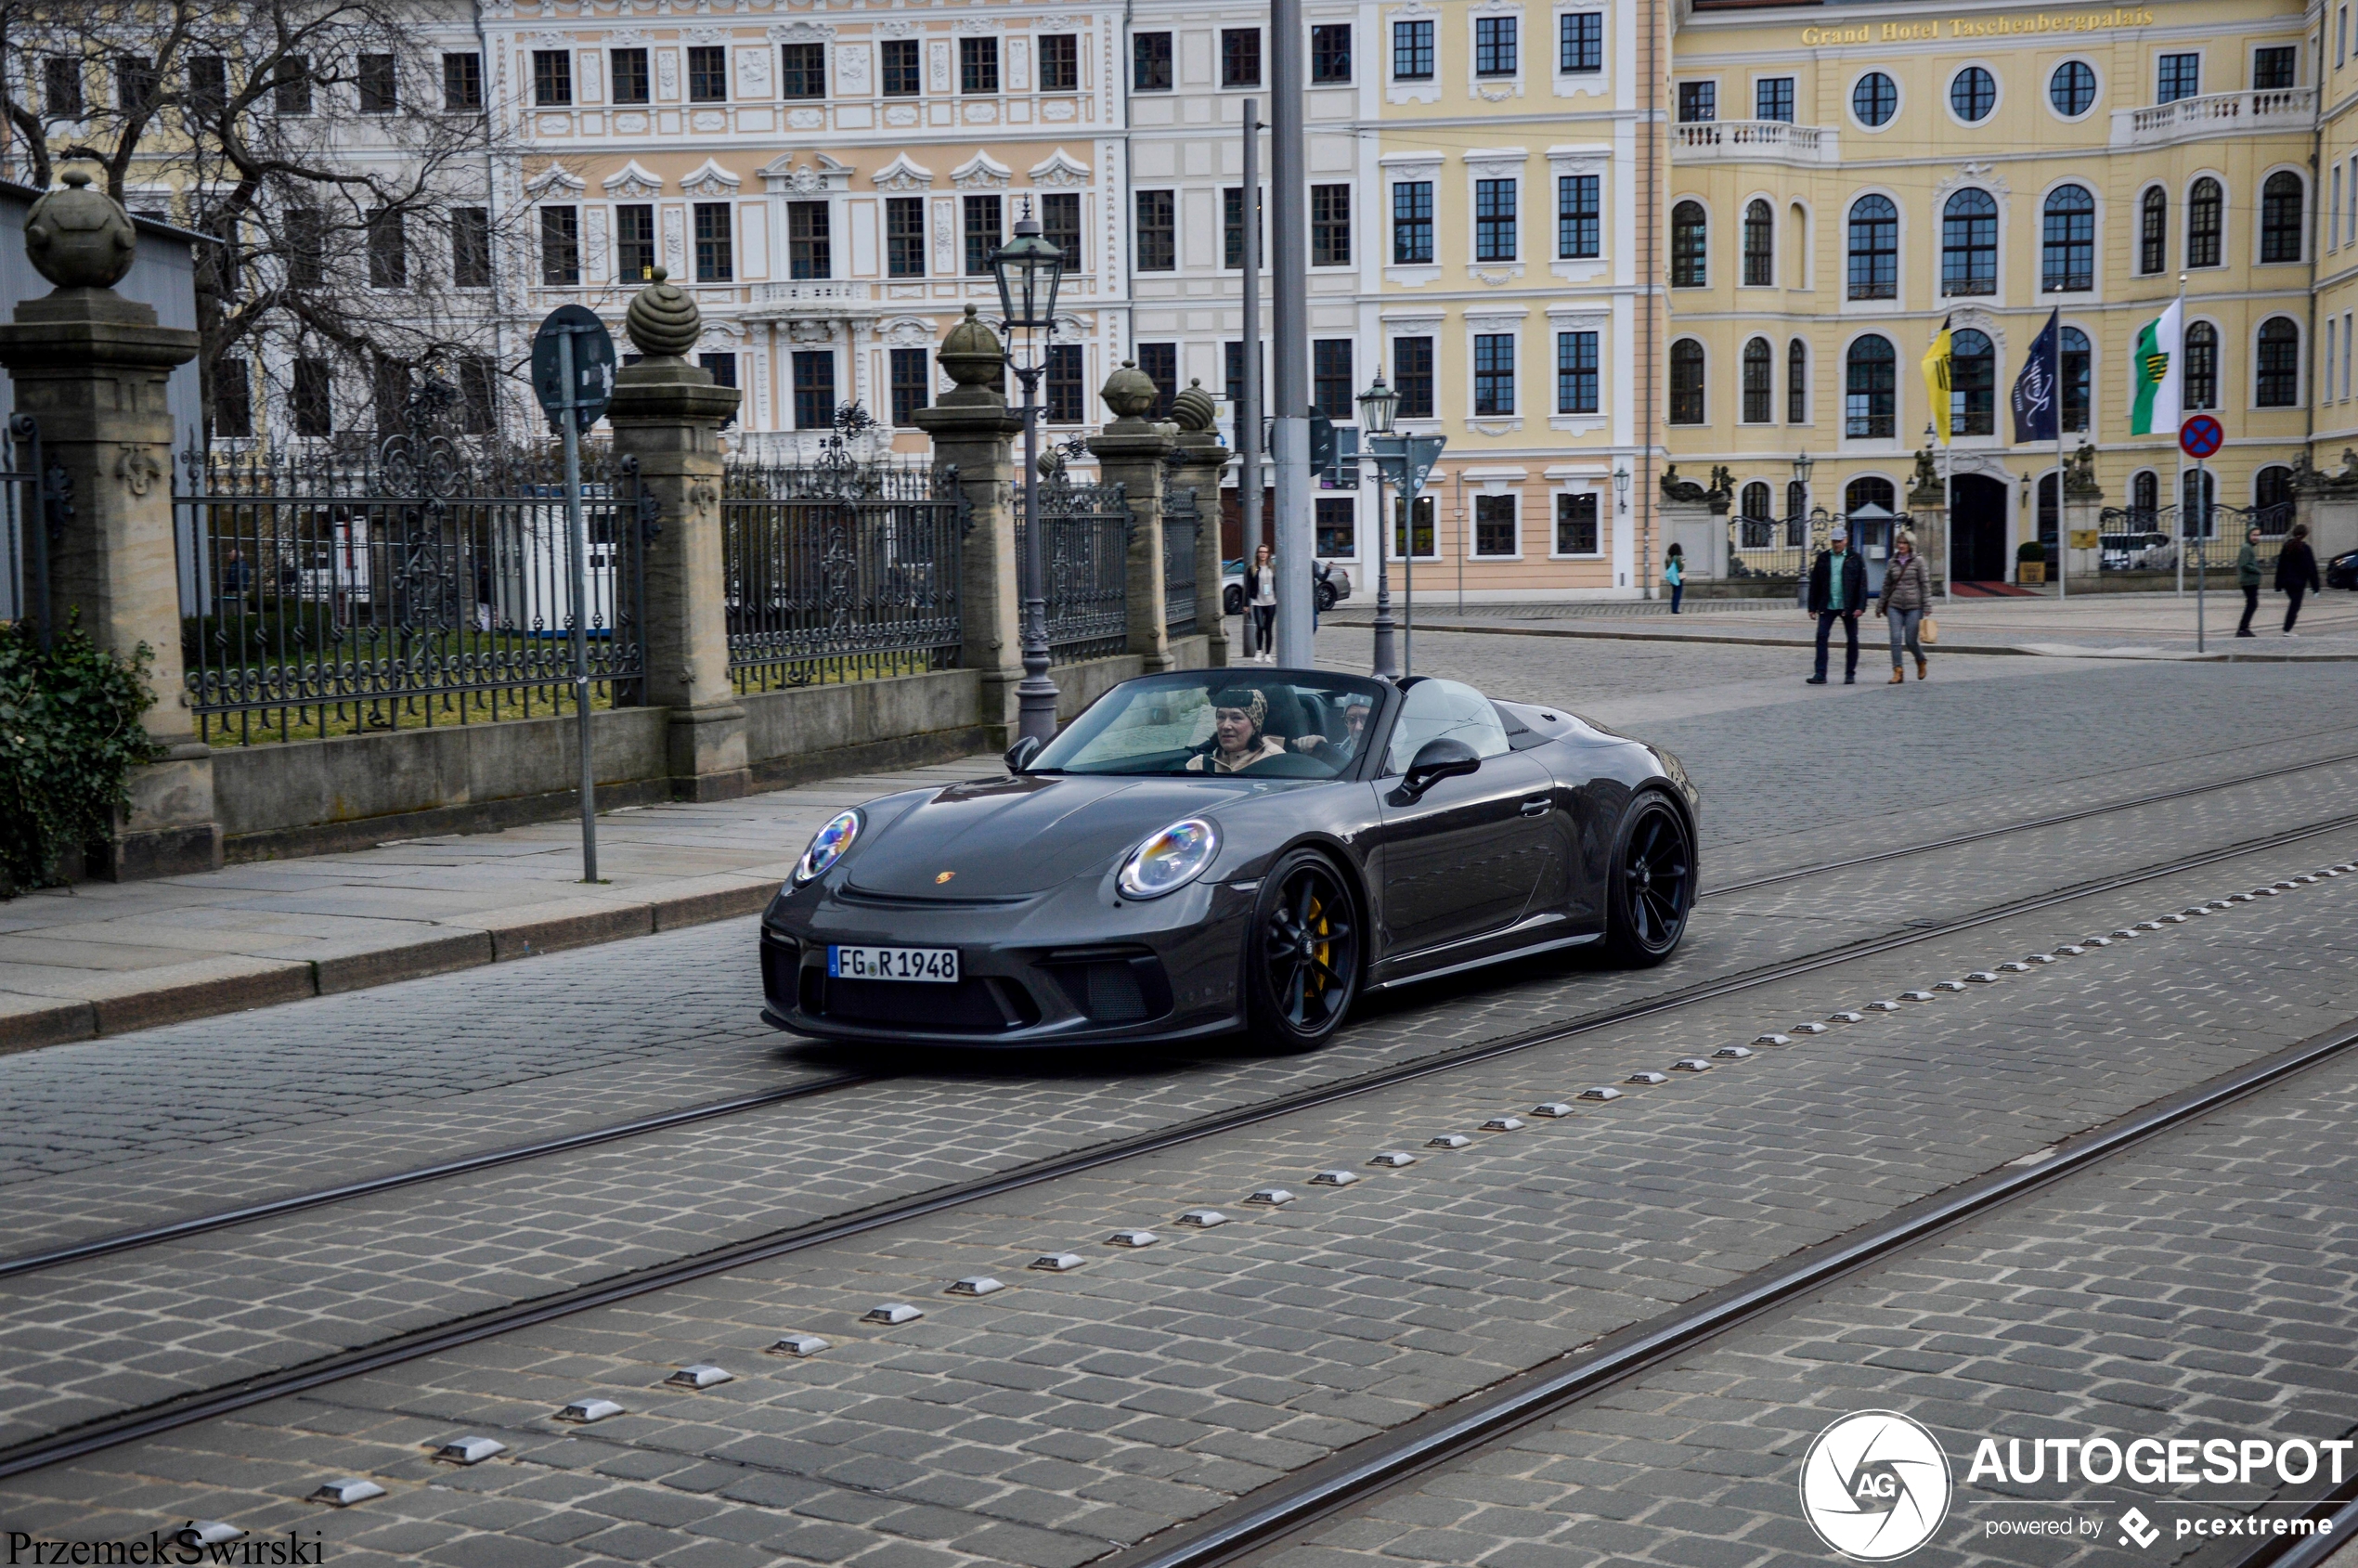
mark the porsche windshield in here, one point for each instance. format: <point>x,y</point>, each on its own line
<point>1222,721</point>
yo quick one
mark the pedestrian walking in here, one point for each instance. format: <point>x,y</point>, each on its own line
<point>2247,578</point>
<point>1260,599</point>
<point>1674,572</point>
<point>1838,592</point>
<point>1907,593</point>
<point>2297,574</point>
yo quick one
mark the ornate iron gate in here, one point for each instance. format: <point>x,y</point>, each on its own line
<point>1182,527</point>
<point>1085,552</point>
<point>34,507</point>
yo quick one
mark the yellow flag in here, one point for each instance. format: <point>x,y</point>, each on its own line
<point>1937,381</point>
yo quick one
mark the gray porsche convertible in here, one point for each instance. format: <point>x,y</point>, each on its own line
<point>1211,851</point>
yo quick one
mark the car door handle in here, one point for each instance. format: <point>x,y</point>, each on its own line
<point>1538,807</point>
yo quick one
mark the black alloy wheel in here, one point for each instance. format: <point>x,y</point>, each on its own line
<point>1302,958</point>
<point>1654,884</point>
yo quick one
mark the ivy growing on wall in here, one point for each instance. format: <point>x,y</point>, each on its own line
<point>69,736</point>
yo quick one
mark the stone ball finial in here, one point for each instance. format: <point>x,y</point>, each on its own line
<point>78,238</point>
<point>1194,409</point>
<point>1130,392</point>
<point>973,355</point>
<point>663,321</point>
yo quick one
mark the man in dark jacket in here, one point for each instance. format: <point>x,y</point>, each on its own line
<point>1838,591</point>
<point>2297,574</point>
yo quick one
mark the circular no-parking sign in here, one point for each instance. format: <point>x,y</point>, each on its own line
<point>2200,436</point>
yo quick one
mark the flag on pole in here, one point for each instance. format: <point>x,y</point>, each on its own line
<point>1937,381</point>
<point>2160,375</point>
<point>2035,406</point>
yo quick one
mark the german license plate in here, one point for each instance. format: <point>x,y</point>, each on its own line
<point>938,965</point>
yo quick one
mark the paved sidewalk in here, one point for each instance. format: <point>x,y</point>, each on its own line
<point>101,958</point>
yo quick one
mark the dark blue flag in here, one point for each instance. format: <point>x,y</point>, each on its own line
<point>2038,388</point>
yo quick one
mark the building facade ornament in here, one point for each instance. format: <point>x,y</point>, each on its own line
<point>632,180</point>
<point>980,173</point>
<point>711,179</point>
<point>1060,168</point>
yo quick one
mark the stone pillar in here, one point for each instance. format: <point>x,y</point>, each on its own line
<point>1201,460</point>
<point>973,431</point>
<point>668,413</point>
<point>1928,519</point>
<point>2083,507</point>
<point>91,367</point>
<point>1130,454</point>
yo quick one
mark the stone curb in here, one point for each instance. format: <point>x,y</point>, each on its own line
<point>2049,650</point>
<point>29,1022</point>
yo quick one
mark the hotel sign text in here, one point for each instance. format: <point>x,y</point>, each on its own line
<point>1965,27</point>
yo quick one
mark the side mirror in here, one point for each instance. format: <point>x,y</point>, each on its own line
<point>1019,756</point>
<point>1435,760</point>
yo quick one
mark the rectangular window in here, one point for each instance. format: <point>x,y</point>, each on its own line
<point>1495,45</point>
<point>308,245</point>
<point>1412,373</point>
<point>1232,359</point>
<point>904,240</point>
<point>814,389</point>
<point>1772,99</point>
<point>2272,69</point>
<point>1158,243</point>
<point>1240,57</point>
<point>1059,63</point>
<point>1797,384</point>
<point>1067,386</point>
<point>722,366</point>
<point>552,81</point>
<point>1412,51</point>
<point>803,70</point>
<point>1331,226</point>
<point>292,91</point>
<point>1576,531</point>
<point>708,73</point>
<point>1330,388</point>
<point>388,251</point>
<point>2333,216</point>
<point>1331,53</point>
<point>715,260</point>
<point>978,66</point>
<point>232,397</point>
<point>634,235</point>
<point>560,247</point>
<point>1427,541</point>
<point>1494,220</point>
<point>628,67</point>
<point>903,78</point>
<point>984,217</point>
<point>61,87</point>
<point>1060,226</point>
<point>1337,523</point>
<point>912,384</point>
<point>1160,363</point>
<point>135,82</point>
<point>315,412</point>
<point>471,247</point>
<point>1580,43</point>
<point>1698,101</point>
<point>380,85</point>
<point>1494,373</point>
<point>1232,231</point>
<point>462,84</point>
<point>1150,62</point>
<point>1578,217</point>
<point>1412,223</point>
<point>1575,373</point>
<point>809,245</point>
<point>478,396</point>
<point>2180,77</point>
<point>1497,529</point>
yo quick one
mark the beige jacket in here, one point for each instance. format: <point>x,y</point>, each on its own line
<point>1907,585</point>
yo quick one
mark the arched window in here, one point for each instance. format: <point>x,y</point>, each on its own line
<point>2271,499</point>
<point>1969,244</point>
<point>1758,371</point>
<point>1868,491</point>
<point>2145,502</point>
<point>1973,383</point>
<point>1875,249</point>
<point>1973,93</point>
<point>1686,381</point>
<point>1689,237</point>
<point>2067,251</point>
<point>2206,204</point>
<point>2202,366</point>
<point>2153,230</point>
<point>1757,499</point>
<point>2077,362</point>
<point>1874,99</point>
<point>1869,389</point>
<point>2072,89</point>
<point>2198,498</point>
<point>1760,245</point>
<point>1797,383</point>
<point>1796,511</point>
<point>2280,203</point>
<point>2276,378</point>
<point>1757,516</point>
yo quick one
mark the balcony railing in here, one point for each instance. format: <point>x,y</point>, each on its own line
<point>2214,114</point>
<point>1755,138</point>
<point>816,292</point>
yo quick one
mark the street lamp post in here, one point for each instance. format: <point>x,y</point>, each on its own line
<point>1029,269</point>
<point>1377,406</point>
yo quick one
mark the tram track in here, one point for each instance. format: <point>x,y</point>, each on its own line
<point>129,1426</point>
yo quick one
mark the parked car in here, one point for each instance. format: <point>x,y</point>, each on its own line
<point>2342,570</point>
<point>1334,586</point>
<point>2149,552</point>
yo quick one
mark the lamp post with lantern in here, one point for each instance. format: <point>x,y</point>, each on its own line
<point>1377,406</point>
<point>1029,269</point>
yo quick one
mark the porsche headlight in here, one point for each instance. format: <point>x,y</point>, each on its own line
<point>1170,860</point>
<point>827,846</point>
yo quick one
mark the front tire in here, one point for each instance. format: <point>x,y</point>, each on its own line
<point>1301,954</point>
<point>1232,600</point>
<point>1652,889</point>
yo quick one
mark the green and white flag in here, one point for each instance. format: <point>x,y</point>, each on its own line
<point>2160,375</point>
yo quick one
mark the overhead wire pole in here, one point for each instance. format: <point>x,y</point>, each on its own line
<point>1249,405</point>
<point>1290,392</point>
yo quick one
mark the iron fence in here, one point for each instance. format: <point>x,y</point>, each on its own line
<point>2143,539</point>
<point>1182,527</point>
<point>33,505</point>
<point>1086,555</point>
<point>418,580</point>
<point>1768,546</point>
<point>840,570</point>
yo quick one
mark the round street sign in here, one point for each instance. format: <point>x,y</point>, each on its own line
<point>2200,436</point>
<point>592,364</point>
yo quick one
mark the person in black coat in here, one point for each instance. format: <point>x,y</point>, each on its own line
<point>1838,591</point>
<point>2297,574</point>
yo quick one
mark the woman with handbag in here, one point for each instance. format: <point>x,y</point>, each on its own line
<point>1907,594</point>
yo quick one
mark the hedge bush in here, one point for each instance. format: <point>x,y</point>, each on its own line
<point>2030,549</point>
<point>69,736</point>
